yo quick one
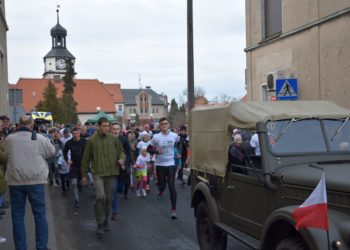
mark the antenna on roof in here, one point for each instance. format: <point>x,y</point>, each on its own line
<point>58,10</point>
<point>140,84</point>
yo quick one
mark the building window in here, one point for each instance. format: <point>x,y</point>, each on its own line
<point>130,111</point>
<point>120,107</point>
<point>134,111</point>
<point>146,111</point>
<point>157,110</point>
<point>272,18</point>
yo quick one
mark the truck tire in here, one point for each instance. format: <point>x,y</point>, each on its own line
<point>292,243</point>
<point>209,237</point>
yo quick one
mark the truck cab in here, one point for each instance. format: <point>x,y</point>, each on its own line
<point>253,201</point>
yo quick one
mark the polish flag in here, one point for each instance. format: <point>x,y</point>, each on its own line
<point>314,211</point>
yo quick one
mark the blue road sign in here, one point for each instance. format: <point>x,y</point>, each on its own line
<point>287,89</point>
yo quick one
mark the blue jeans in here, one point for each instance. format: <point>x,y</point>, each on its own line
<point>36,197</point>
<point>115,196</point>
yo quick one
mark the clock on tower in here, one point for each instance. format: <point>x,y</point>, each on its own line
<point>56,60</point>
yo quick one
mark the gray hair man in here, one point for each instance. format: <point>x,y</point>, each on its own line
<point>26,175</point>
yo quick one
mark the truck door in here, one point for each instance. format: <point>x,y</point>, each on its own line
<point>248,203</point>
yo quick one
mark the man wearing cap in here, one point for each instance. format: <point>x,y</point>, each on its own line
<point>26,175</point>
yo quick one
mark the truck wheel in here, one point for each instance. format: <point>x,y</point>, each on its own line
<point>209,237</point>
<point>292,243</point>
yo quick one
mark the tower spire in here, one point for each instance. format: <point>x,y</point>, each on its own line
<point>58,10</point>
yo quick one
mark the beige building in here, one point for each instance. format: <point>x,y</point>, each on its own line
<point>4,100</point>
<point>146,103</point>
<point>308,40</point>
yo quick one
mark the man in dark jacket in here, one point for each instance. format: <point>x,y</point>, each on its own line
<point>183,146</point>
<point>123,180</point>
<point>76,146</point>
<point>237,156</point>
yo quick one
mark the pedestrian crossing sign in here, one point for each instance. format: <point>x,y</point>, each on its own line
<point>287,89</point>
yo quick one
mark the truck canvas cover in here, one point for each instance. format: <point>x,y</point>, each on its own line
<point>211,127</point>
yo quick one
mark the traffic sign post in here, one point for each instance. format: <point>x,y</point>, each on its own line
<point>287,89</point>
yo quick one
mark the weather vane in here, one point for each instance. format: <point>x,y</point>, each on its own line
<point>58,10</point>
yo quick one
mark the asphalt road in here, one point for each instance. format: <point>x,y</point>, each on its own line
<point>142,223</point>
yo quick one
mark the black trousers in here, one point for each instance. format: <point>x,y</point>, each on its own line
<point>180,174</point>
<point>166,174</point>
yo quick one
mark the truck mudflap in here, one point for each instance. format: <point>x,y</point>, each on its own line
<point>202,192</point>
<point>280,225</point>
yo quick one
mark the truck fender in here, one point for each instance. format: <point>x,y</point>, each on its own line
<point>280,225</point>
<point>202,192</point>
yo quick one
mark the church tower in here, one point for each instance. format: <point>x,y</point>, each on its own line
<point>56,60</point>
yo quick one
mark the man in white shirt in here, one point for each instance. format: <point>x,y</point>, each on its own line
<point>66,136</point>
<point>162,145</point>
<point>254,142</point>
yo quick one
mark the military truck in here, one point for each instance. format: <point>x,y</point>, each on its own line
<point>299,140</point>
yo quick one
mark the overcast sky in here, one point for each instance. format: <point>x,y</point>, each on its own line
<point>116,40</point>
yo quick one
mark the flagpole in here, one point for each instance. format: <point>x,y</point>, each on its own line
<point>328,243</point>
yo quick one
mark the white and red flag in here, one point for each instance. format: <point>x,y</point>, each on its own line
<point>314,211</point>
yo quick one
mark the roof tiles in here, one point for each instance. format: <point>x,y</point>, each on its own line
<point>88,93</point>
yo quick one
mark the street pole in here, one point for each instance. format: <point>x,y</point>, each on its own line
<point>190,69</point>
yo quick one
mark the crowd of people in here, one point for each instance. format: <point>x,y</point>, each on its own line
<point>105,156</point>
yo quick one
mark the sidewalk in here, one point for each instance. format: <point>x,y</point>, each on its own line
<point>6,226</point>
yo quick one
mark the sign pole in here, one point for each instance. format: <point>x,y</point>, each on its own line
<point>328,243</point>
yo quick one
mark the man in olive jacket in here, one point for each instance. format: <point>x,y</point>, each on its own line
<point>106,155</point>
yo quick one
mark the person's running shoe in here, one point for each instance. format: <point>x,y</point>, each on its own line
<point>173,214</point>
<point>144,193</point>
<point>2,239</point>
<point>76,204</point>
<point>5,205</point>
<point>106,227</point>
<point>148,189</point>
<point>160,196</point>
<point>114,216</point>
<point>138,194</point>
<point>99,231</point>
<point>183,183</point>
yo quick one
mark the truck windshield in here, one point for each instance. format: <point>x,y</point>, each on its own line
<point>341,140</point>
<point>306,136</point>
<point>303,136</point>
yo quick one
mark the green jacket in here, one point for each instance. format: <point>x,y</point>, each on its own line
<point>3,159</point>
<point>103,152</point>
